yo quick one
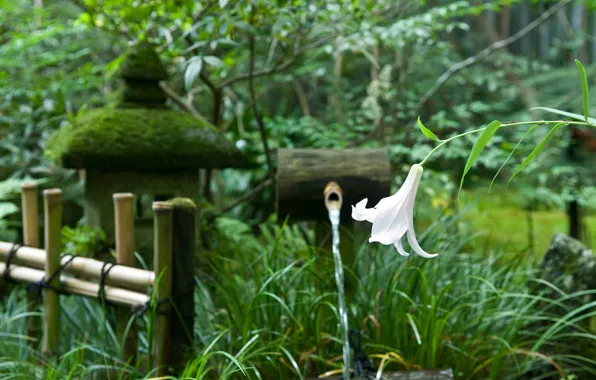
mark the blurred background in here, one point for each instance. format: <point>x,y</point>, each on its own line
<point>275,74</point>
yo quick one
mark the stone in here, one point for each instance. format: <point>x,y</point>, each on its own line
<point>569,265</point>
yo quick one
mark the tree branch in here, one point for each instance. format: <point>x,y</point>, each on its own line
<point>254,191</point>
<point>180,102</point>
<point>487,52</point>
<point>277,68</point>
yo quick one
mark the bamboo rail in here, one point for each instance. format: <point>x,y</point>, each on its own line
<point>72,285</point>
<point>121,284</point>
<point>120,276</point>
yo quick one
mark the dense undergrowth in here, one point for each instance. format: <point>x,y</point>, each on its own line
<point>266,308</point>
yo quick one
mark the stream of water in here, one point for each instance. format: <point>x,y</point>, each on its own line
<point>339,280</point>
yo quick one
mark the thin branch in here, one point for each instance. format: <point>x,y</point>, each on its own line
<point>488,51</point>
<point>180,102</point>
<point>254,191</point>
<point>301,96</point>
<point>278,67</point>
<point>253,97</point>
<point>271,52</point>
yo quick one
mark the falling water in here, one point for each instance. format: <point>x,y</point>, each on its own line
<point>339,280</point>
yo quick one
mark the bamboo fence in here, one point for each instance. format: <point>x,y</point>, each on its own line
<point>120,283</point>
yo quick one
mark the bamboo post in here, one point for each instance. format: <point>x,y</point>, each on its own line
<point>162,265</point>
<point>125,255</point>
<point>53,232</point>
<point>30,212</point>
<point>183,281</point>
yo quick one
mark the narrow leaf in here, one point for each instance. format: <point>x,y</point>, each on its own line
<point>536,150</point>
<point>584,79</point>
<point>483,139</point>
<point>223,3</point>
<point>571,115</point>
<point>511,154</point>
<point>427,132</point>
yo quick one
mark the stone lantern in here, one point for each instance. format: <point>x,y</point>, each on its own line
<point>139,146</point>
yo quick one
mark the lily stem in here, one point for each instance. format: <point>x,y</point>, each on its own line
<point>512,124</point>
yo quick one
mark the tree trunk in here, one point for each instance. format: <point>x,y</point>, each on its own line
<point>574,216</point>
<point>530,224</point>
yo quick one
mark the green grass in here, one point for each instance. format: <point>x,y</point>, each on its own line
<point>506,224</point>
<point>266,308</point>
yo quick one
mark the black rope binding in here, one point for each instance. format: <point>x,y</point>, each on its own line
<point>101,293</point>
<point>6,273</point>
<point>9,257</point>
<point>45,284</point>
<point>142,309</point>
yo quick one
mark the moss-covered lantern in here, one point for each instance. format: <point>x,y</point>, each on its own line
<point>140,146</point>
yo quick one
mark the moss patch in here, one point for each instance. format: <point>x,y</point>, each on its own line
<point>142,62</point>
<point>132,139</point>
<point>183,203</point>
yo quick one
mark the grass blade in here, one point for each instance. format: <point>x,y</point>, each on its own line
<point>511,154</point>
<point>536,150</point>
<point>570,115</point>
<point>484,138</point>
<point>585,95</point>
<point>427,132</point>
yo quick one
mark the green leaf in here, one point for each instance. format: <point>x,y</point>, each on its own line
<point>511,154</point>
<point>7,208</point>
<point>536,150</point>
<point>585,95</point>
<point>192,71</point>
<point>223,3</point>
<point>214,61</point>
<point>571,115</point>
<point>484,138</point>
<point>427,132</point>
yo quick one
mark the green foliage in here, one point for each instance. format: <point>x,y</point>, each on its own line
<point>83,240</point>
<point>584,82</point>
<point>536,150</point>
<point>483,139</point>
<point>267,308</point>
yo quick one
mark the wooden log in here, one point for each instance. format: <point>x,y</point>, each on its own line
<point>53,245</point>
<point>120,276</point>
<point>125,255</point>
<point>302,175</point>
<point>30,212</point>
<point>72,285</point>
<point>162,264</point>
<point>183,280</point>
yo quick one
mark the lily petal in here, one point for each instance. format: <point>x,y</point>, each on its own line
<point>400,248</point>
<point>360,212</point>
<point>416,247</point>
<point>391,225</point>
<point>395,211</point>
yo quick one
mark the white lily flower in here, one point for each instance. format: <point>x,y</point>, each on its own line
<point>393,217</point>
